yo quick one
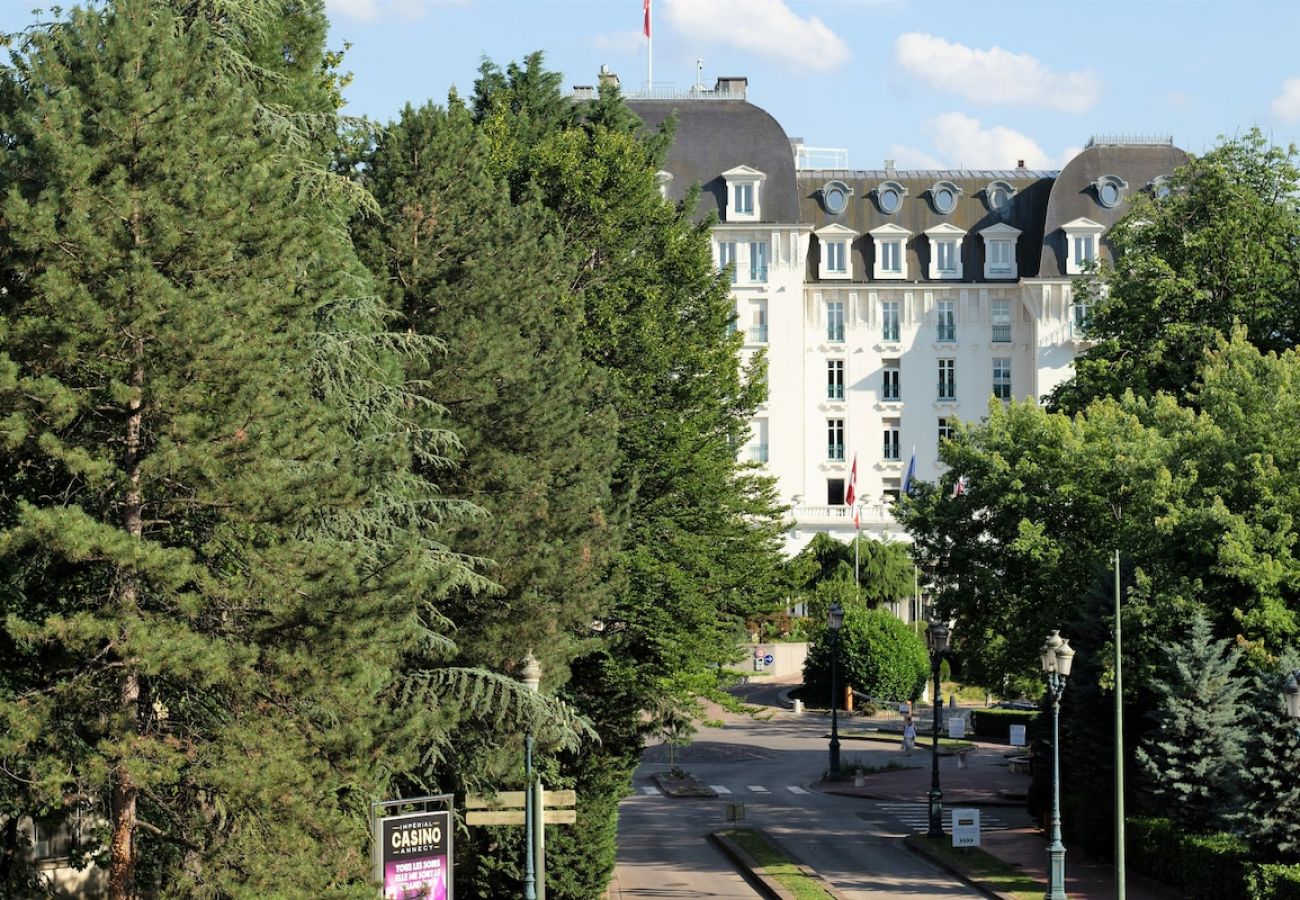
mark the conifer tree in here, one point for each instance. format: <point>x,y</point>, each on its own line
<point>1271,810</point>
<point>1193,759</point>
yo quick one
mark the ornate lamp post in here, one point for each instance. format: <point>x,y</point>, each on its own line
<point>1057,657</point>
<point>937,637</point>
<point>834,621</point>
<point>1291,695</point>
<point>532,680</point>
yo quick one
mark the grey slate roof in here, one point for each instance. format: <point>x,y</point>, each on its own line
<point>971,214</point>
<point>1073,196</point>
<point>714,136</point>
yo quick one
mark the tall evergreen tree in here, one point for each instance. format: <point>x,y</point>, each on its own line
<point>1271,810</point>
<point>1194,759</point>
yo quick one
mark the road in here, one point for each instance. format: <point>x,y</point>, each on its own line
<point>770,767</point>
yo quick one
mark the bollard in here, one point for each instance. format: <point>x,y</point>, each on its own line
<point>798,707</point>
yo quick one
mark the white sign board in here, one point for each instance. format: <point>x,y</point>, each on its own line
<point>1017,735</point>
<point>965,827</point>
<point>904,708</point>
<point>956,727</point>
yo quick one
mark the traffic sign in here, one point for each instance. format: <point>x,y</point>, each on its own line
<point>769,659</point>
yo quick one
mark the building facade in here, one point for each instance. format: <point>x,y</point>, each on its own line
<point>890,302</point>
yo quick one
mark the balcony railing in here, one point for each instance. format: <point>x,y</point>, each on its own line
<point>758,453</point>
<point>835,333</point>
<point>1001,334</point>
<point>835,452</point>
<point>947,334</point>
<point>834,392</point>
<point>758,273</point>
<point>868,514</point>
<point>757,334</point>
<point>890,332</point>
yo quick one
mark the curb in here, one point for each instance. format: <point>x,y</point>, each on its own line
<point>915,846</point>
<point>766,884</point>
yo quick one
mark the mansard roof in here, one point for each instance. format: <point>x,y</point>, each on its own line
<point>717,136</point>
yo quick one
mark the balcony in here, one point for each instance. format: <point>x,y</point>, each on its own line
<point>757,334</point>
<point>758,453</point>
<point>1001,334</point>
<point>868,514</point>
<point>835,452</point>
<point>834,392</point>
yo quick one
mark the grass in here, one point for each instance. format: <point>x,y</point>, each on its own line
<point>923,742</point>
<point>977,865</point>
<point>777,864</point>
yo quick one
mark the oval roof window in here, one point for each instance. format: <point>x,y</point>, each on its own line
<point>998,196</point>
<point>1110,190</point>
<point>944,197</point>
<point>889,196</point>
<point>835,197</point>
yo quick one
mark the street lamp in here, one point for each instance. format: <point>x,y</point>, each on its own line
<point>532,680</point>
<point>1291,694</point>
<point>834,621</point>
<point>936,636</point>
<point>1057,657</point>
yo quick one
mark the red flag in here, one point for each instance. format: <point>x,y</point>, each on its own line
<point>647,17</point>
<point>851,495</point>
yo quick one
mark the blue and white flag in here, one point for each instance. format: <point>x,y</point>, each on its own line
<point>911,473</point>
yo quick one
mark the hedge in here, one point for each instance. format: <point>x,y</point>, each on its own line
<point>1207,866</point>
<point>996,723</point>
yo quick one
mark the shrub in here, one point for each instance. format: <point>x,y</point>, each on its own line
<point>1202,866</point>
<point>995,724</point>
<point>879,655</point>
<point>1269,881</point>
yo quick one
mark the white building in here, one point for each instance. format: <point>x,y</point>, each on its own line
<point>890,302</point>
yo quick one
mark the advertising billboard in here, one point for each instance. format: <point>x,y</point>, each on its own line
<point>414,855</point>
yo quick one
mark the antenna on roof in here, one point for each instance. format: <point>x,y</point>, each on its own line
<point>699,75</point>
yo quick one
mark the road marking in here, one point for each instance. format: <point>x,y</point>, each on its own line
<point>917,817</point>
<point>795,789</point>
<point>720,789</point>
<point>651,791</point>
<point>758,789</point>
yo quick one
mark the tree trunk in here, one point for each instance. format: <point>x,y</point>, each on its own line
<point>125,794</point>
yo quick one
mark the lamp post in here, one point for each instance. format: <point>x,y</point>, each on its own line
<point>1291,695</point>
<point>1057,657</point>
<point>532,680</point>
<point>937,637</point>
<point>834,621</point>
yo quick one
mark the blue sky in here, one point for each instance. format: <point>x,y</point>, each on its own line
<point>927,83</point>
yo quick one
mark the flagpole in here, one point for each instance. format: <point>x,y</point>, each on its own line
<point>649,51</point>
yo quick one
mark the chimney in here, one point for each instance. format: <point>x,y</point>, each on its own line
<point>607,77</point>
<point>1020,164</point>
<point>889,167</point>
<point>733,84</point>
<point>584,92</point>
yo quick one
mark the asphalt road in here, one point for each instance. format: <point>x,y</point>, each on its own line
<point>770,767</point>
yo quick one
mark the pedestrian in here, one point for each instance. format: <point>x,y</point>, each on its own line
<point>909,735</point>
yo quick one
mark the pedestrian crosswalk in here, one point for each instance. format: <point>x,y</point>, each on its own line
<point>917,817</point>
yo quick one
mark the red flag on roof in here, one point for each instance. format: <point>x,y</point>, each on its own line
<point>647,17</point>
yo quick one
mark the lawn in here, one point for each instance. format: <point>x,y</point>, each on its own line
<point>777,865</point>
<point>979,866</point>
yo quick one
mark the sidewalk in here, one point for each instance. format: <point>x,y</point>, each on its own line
<point>987,780</point>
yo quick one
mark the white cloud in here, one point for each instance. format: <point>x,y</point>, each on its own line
<point>766,28</point>
<point>1286,105</point>
<point>995,75</point>
<point>962,142</point>
<point>375,10</point>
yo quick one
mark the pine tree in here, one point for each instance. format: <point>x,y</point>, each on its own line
<point>210,612</point>
<point>1194,759</point>
<point>1271,810</point>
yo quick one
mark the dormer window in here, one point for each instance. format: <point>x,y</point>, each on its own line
<point>1110,190</point>
<point>997,197</point>
<point>1160,186</point>
<point>943,197</point>
<point>836,241</point>
<point>945,251</point>
<point>1000,251</point>
<point>835,197</point>
<point>744,194</point>
<point>889,197</point>
<point>890,246</point>
<point>1082,237</point>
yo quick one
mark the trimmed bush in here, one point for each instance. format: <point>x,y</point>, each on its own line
<point>995,724</point>
<point>1268,881</point>
<point>1202,866</point>
<point>879,655</point>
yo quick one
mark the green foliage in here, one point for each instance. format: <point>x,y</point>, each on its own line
<point>996,723</point>
<point>1270,881</point>
<point>1204,867</point>
<point>1271,812</point>
<point>878,654</point>
<point>1193,759</point>
<point>885,569</point>
<point>1223,248</point>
